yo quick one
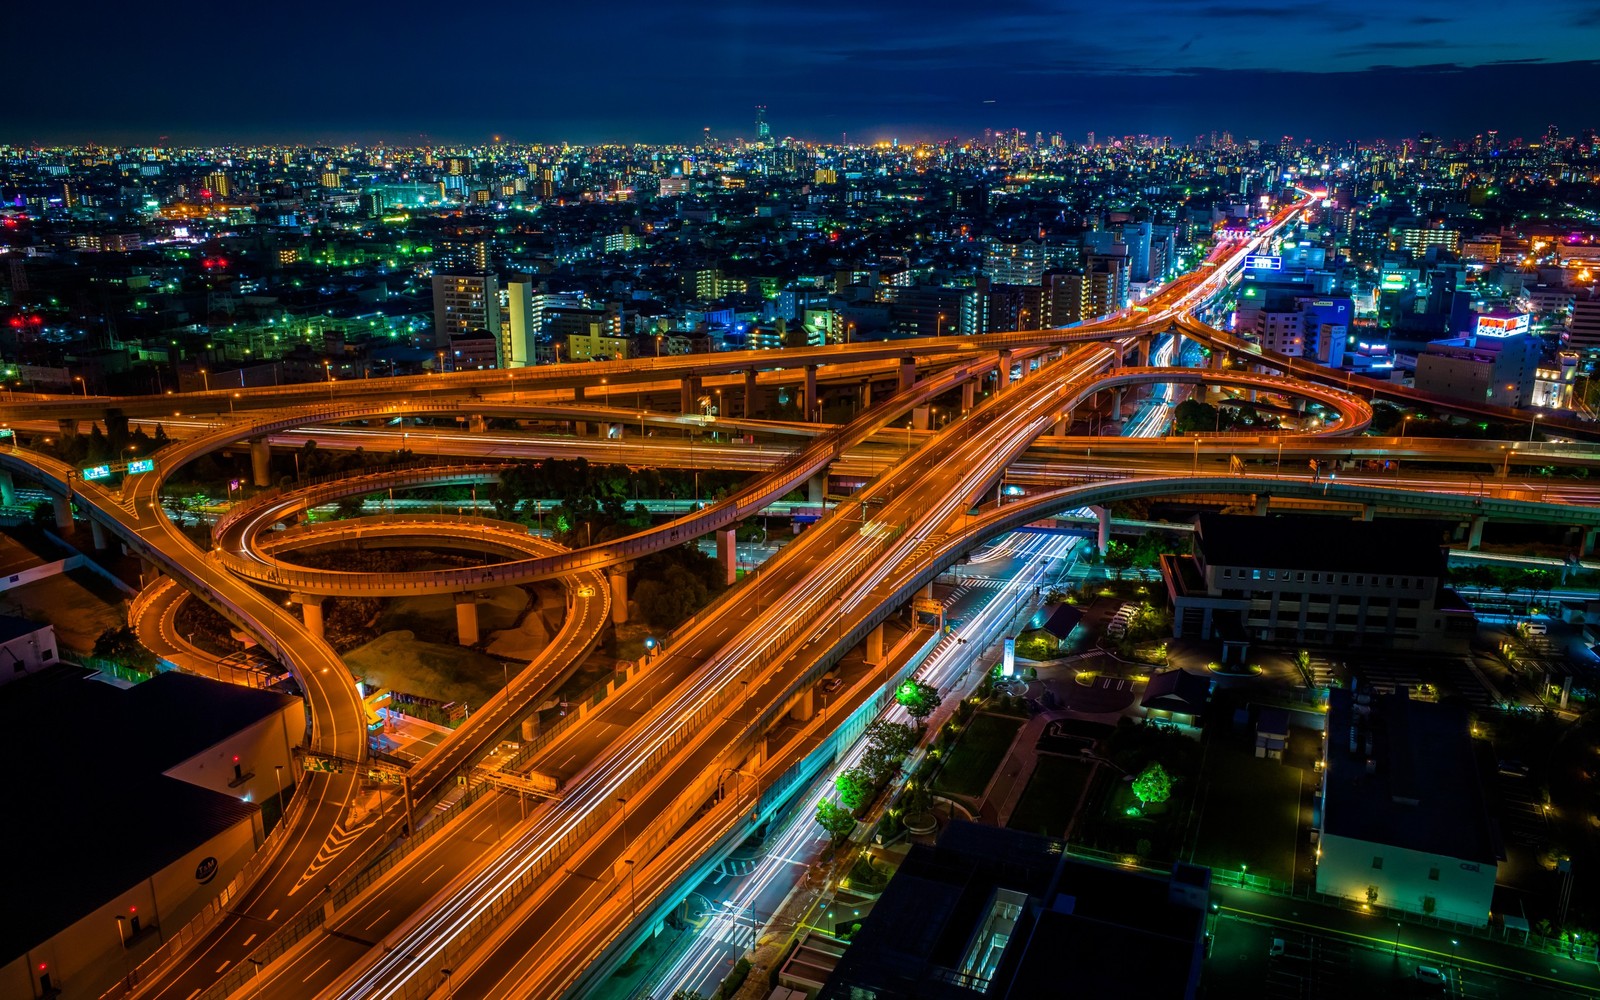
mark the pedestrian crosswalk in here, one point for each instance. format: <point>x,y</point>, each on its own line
<point>736,934</point>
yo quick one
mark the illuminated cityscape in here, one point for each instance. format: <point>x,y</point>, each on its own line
<point>845,550</point>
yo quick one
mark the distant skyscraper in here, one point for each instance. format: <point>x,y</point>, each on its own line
<point>763,130</point>
<point>1090,142</point>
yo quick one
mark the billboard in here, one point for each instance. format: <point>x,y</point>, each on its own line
<point>1502,325</point>
<point>1263,262</point>
<point>1008,667</point>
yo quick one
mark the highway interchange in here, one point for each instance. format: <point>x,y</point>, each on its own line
<point>524,911</point>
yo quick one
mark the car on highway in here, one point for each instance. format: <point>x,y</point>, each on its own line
<point>1432,977</point>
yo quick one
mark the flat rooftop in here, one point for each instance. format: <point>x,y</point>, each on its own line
<point>1340,545</point>
<point>1422,790</point>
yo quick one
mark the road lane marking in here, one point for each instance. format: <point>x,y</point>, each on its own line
<point>316,970</point>
<point>272,914</point>
<point>224,965</point>
<point>248,940</point>
<point>379,917</point>
<point>436,870</point>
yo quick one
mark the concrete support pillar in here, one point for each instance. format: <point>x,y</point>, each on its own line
<point>1369,511</point>
<point>68,427</point>
<point>467,619</point>
<point>477,423</point>
<point>1219,358</point>
<point>577,394</point>
<point>1144,351</point>
<point>63,509</point>
<point>98,533</point>
<point>874,652</point>
<point>1263,504</point>
<point>805,706</point>
<point>817,488</point>
<point>261,462</point>
<point>864,396</point>
<point>728,554</point>
<point>813,405</point>
<point>969,395</point>
<point>1063,425</point>
<point>8,489</point>
<point>750,390</point>
<point>1591,537</point>
<point>1475,533</point>
<point>919,417</point>
<point>310,612</point>
<point>618,575</point>
<point>688,393</point>
<point>581,428</point>
<point>1116,404</point>
<point>1102,518</point>
<point>149,572</point>
<point>926,591</point>
<point>1003,368</point>
<point>908,373</point>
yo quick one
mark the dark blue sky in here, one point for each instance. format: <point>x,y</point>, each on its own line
<point>659,71</point>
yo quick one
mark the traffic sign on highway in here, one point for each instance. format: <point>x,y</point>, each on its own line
<point>139,465</point>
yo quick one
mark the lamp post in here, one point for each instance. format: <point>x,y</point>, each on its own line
<point>85,387</point>
<point>938,328</point>
<point>1532,424</point>
<point>205,376</point>
<point>277,774</point>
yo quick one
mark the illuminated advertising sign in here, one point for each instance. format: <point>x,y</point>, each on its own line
<point>97,472</point>
<point>1263,262</point>
<point>1502,326</point>
<point>1008,666</point>
<point>139,465</point>
<point>1394,282</point>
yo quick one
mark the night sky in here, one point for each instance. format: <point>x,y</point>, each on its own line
<point>408,71</point>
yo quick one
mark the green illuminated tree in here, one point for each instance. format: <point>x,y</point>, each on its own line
<point>1153,785</point>
<point>835,819</point>
<point>918,699</point>
<point>855,787</point>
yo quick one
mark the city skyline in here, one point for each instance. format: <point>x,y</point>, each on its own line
<point>1361,70</point>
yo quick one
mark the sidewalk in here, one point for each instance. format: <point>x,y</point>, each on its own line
<point>1006,785</point>
<point>1416,940</point>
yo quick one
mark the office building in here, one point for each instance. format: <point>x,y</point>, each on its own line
<point>1315,580</point>
<point>1403,820</point>
<point>1481,367</point>
<point>999,913</point>
<point>1583,328</point>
